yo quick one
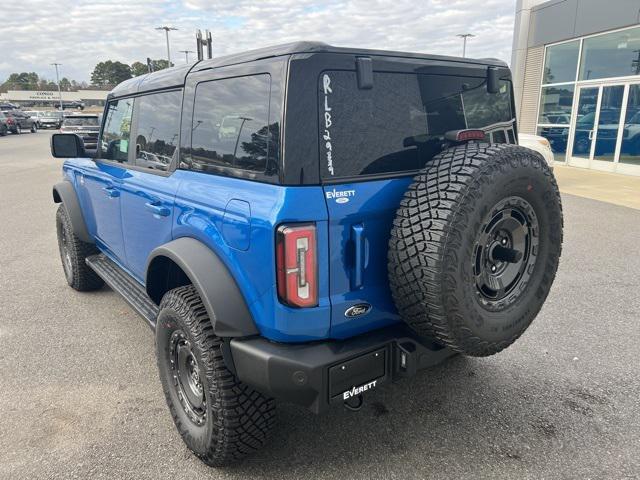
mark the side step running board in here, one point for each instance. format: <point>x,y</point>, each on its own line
<point>121,282</point>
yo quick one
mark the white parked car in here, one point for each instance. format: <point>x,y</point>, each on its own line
<point>539,144</point>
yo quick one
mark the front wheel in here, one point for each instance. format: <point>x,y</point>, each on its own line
<point>73,253</point>
<point>17,130</point>
<point>34,128</point>
<point>220,419</point>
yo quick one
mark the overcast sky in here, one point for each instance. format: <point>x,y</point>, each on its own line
<point>78,33</point>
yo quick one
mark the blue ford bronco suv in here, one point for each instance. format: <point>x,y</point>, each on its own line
<point>306,223</point>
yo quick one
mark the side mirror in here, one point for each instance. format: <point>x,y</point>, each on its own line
<point>67,145</point>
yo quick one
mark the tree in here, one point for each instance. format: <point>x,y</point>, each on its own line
<point>65,84</point>
<point>160,64</point>
<point>22,81</point>
<point>110,73</point>
<point>139,68</point>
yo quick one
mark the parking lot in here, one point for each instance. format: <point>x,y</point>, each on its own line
<point>81,398</point>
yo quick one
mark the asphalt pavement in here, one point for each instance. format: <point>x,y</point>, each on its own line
<point>80,395</point>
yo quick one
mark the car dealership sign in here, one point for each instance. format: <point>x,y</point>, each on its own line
<point>54,96</point>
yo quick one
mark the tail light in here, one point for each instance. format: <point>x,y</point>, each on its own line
<point>297,265</point>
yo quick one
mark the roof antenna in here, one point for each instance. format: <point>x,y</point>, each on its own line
<point>202,42</point>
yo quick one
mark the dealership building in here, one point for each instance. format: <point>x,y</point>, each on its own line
<point>576,66</point>
<point>34,98</point>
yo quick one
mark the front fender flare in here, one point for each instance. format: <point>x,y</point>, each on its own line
<point>220,294</point>
<point>65,193</point>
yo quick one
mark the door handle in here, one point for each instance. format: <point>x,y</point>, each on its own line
<point>590,134</point>
<point>111,192</point>
<point>157,209</point>
<point>357,236</point>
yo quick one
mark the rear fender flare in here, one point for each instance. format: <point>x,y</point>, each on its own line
<point>220,294</point>
<point>65,193</point>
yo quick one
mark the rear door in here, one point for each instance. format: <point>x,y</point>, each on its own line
<point>372,142</point>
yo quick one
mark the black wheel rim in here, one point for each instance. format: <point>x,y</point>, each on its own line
<point>186,378</point>
<point>505,253</point>
<point>65,253</point>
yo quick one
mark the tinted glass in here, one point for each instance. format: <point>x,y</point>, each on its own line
<point>81,121</point>
<point>555,105</point>
<point>114,144</point>
<point>157,130</point>
<point>400,123</point>
<point>561,62</point>
<point>611,55</point>
<point>630,150</point>
<point>231,124</point>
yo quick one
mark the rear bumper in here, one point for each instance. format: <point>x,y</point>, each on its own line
<point>317,375</point>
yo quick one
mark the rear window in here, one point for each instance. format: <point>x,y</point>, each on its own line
<point>81,122</point>
<point>399,124</point>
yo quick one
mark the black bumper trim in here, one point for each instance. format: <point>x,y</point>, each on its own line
<point>315,375</point>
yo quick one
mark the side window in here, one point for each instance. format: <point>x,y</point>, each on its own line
<point>117,129</point>
<point>157,129</point>
<point>231,124</point>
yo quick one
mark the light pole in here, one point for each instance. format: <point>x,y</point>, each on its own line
<point>464,37</point>
<point>58,80</point>
<point>166,31</point>
<point>186,54</point>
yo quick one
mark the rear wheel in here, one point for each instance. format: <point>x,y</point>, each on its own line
<point>475,246</point>
<point>220,419</point>
<point>17,130</point>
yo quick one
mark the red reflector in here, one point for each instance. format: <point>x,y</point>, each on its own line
<point>464,135</point>
<point>296,265</point>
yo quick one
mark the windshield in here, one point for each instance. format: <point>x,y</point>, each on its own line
<point>81,122</point>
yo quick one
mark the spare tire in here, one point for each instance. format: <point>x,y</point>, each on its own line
<point>475,246</point>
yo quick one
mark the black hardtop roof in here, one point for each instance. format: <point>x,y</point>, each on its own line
<point>175,76</point>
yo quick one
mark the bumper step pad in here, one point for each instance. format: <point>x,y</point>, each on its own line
<point>122,283</point>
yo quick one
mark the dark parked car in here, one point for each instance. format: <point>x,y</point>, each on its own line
<point>87,126</point>
<point>4,128</point>
<point>71,105</point>
<point>17,121</point>
<point>8,106</point>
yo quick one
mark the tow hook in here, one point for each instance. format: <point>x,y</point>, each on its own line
<point>354,403</point>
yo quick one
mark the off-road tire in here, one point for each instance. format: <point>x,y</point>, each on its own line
<point>73,254</point>
<point>433,244</point>
<point>235,419</point>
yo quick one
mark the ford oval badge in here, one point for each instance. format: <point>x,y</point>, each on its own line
<point>357,310</point>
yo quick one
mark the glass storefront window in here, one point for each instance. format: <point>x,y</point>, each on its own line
<point>630,150</point>
<point>557,137</point>
<point>555,105</point>
<point>561,62</point>
<point>611,55</point>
